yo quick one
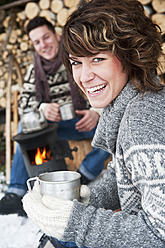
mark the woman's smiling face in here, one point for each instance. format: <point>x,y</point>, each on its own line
<point>101,77</point>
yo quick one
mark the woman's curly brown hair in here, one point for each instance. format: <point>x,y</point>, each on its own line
<point>122,27</point>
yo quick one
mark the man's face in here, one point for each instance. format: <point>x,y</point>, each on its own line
<point>45,42</point>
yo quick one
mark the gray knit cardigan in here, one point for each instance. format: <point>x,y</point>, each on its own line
<point>132,128</point>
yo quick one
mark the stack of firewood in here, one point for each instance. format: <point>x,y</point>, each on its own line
<point>15,39</point>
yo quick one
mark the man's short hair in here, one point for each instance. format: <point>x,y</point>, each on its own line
<point>39,21</point>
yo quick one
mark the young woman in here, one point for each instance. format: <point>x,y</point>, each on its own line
<point>112,50</point>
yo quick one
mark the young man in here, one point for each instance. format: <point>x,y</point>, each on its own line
<point>49,78</point>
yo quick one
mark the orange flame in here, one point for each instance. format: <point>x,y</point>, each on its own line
<point>40,157</point>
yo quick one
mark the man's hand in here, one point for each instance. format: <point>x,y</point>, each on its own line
<point>88,121</point>
<point>52,112</point>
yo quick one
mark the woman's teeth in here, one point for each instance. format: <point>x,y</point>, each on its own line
<point>96,88</point>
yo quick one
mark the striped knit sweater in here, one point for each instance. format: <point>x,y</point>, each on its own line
<point>60,90</point>
<point>132,129</point>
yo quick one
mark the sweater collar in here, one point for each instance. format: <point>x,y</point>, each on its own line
<point>108,126</point>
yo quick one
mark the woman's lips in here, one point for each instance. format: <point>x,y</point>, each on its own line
<point>96,89</point>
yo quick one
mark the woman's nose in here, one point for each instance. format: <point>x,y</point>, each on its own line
<point>87,73</point>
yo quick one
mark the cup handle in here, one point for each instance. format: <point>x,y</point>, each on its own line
<point>29,180</point>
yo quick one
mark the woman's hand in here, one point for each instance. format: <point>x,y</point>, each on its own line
<point>52,112</point>
<point>88,121</point>
<point>49,213</point>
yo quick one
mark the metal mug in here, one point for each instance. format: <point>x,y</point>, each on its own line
<point>61,184</point>
<point>67,111</point>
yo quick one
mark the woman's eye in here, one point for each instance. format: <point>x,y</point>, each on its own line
<point>75,63</point>
<point>98,59</point>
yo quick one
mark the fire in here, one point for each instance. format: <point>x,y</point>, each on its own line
<point>40,157</point>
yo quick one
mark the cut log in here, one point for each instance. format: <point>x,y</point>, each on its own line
<point>14,76</point>
<point>21,15</point>
<point>24,46</point>
<point>31,10</point>
<point>162,67</point>
<point>6,22</point>
<point>19,32</point>
<point>1,63</point>
<point>148,10</point>
<point>2,84</point>
<point>25,24</point>
<point>48,15</point>
<point>71,3</point>
<point>162,61</point>
<point>62,17</point>
<point>158,5</point>
<point>25,37</point>
<point>24,70</point>
<point>2,36</point>
<point>5,55</point>
<point>56,6</point>
<point>6,75</point>
<point>44,4</point>
<point>1,72</point>
<point>58,30</point>
<point>3,102</point>
<point>71,10</point>
<point>144,2</point>
<point>13,37</point>
<point>160,20</point>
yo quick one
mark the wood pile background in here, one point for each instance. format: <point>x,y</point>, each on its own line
<point>13,37</point>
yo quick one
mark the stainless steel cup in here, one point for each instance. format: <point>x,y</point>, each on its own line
<point>67,111</point>
<point>61,184</point>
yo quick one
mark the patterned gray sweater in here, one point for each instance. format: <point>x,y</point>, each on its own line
<point>132,129</point>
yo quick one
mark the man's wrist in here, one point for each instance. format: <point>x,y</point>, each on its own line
<point>43,106</point>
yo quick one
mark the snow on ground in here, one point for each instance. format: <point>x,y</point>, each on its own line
<point>16,231</point>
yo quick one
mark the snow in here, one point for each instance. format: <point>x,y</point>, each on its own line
<point>17,231</point>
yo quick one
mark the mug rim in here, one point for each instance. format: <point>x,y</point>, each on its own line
<point>59,172</point>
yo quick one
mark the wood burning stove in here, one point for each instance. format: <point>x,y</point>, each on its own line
<point>42,151</point>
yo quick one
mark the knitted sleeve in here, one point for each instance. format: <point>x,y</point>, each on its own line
<point>104,194</point>
<point>28,93</point>
<point>96,227</point>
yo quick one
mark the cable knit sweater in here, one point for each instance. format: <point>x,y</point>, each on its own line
<point>132,129</point>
